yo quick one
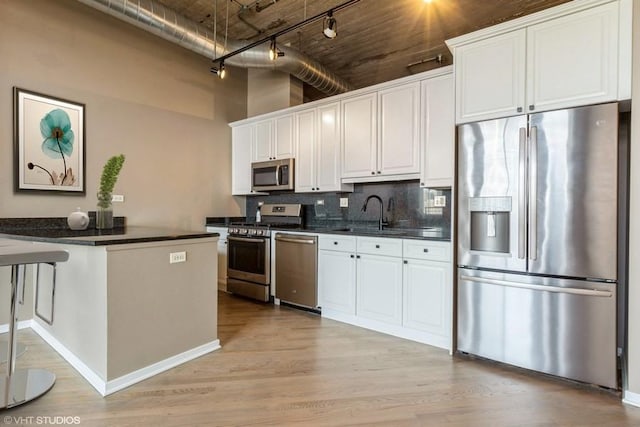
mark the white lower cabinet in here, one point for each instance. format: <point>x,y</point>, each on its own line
<point>379,288</point>
<point>337,281</point>
<point>402,287</point>
<point>222,255</point>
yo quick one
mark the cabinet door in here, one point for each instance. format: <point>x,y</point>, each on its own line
<point>573,60</point>
<point>379,288</point>
<point>337,281</point>
<point>490,77</point>
<point>284,143</point>
<point>262,141</point>
<point>305,165</point>
<point>426,301</point>
<point>399,130</point>
<point>359,136</point>
<point>241,145</point>
<point>328,148</point>
<point>438,132</point>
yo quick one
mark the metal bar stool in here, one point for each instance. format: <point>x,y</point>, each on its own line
<point>20,386</point>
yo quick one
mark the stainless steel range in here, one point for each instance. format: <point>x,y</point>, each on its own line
<point>249,250</point>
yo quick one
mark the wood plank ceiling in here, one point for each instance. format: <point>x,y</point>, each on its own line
<point>377,39</point>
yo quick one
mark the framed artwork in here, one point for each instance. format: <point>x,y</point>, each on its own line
<point>49,146</point>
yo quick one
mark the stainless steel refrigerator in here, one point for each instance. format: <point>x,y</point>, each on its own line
<point>537,242</point>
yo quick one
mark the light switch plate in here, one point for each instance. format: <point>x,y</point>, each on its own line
<point>344,202</point>
<point>117,198</point>
<point>175,257</point>
<point>440,202</point>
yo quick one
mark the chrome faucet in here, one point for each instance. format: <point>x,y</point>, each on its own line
<point>381,221</point>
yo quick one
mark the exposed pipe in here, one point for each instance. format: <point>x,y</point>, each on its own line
<point>151,16</point>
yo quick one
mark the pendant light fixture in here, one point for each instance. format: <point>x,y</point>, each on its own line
<point>330,26</point>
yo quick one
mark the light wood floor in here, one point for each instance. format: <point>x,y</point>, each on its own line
<point>280,366</point>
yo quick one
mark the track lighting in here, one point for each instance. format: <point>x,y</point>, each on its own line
<point>330,30</point>
<point>274,53</point>
<point>330,26</point>
<point>220,71</point>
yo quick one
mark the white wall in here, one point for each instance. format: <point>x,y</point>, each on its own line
<point>147,98</point>
<point>634,231</point>
<point>270,90</point>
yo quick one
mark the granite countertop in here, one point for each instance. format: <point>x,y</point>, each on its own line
<point>93,237</point>
<point>422,233</point>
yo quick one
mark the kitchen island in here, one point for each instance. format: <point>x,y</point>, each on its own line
<point>130,302</point>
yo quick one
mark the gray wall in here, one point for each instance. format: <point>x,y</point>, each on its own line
<point>153,101</point>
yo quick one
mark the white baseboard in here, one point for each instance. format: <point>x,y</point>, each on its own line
<point>22,324</point>
<point>158,367</point>
<point>631,398</point>
<point>108,387</point>
<point>89,374</point>
<point>395,330</point>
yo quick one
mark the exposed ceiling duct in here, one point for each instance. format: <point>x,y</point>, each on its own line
<point>166,23</point>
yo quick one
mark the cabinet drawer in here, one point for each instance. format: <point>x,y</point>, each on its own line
<point>429,250</point>
<point>380,246</point>
<point>334,242</point>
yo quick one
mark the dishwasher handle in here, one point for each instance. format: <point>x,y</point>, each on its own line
<point>291,239</point>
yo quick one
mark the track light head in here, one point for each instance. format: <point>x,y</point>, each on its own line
<point>221,71</point>
<point>330,26</point>
<point>274,53</point>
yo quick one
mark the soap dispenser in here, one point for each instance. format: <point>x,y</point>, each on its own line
<point>258,214</point>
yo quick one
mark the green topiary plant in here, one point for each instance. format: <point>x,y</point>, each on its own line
<point>108,180</point>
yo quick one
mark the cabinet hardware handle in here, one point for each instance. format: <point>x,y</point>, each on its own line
<point>519,110</point>
<point>358,256</point>
<point>531,107</point>
<point>377,246</point>
<point>425,250</point>
<point>379,172</point>
<point>335,243</point>
<point>313,189</point>
<point>406,262</point>
<point>317,188</point>
<point>373,173</point>
<point>351,256</point>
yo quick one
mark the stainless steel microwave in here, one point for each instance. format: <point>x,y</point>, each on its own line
<point>272,175</point>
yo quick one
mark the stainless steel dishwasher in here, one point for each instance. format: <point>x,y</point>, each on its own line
<point>297,269</point>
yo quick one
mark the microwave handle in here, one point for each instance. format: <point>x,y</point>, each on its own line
<point>278,175</point>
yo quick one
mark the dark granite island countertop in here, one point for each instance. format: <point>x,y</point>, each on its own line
<point>93,237</point>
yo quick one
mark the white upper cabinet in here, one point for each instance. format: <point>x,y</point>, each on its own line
<point>438,132</point>
<point>573,60</point>
<point>359,136</point>
<point>566,56</point>
<point>305,166</point>
<point>381,134</point>
<point>399,130</point>
<point>328,161</point>
<point>242,142</point>
<point>318,150</point>
<point>490,77</point>
<point>274,139</point>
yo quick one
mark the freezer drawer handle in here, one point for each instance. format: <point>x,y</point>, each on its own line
<point>557,289</point>
<point>290,240</point>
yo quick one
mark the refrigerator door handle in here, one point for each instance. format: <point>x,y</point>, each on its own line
<point>522,186</point>
<point>556,289</point>
<point>533,196</point>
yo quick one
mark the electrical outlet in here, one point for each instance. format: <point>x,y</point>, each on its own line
<point>344,202</point>
<point>440,202</point>
<point>117,198</point>
<point>175,257</point>
<point>320,202</point>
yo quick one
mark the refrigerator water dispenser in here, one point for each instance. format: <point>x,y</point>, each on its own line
<point>490,219</point>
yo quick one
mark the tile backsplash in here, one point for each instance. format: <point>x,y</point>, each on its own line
<point>405,204</point>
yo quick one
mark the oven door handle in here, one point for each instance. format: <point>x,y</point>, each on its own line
<point>245,239</point>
